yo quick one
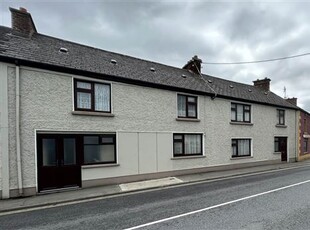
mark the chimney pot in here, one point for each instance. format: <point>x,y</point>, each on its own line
<point>22,9</point>
<point>263,84</point>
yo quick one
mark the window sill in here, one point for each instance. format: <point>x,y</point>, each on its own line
<point>277,153</point>
<point>281,126</point>
<point>187,119</point>
<point>87,113</point>
<point>240,158</point>
<point>99,166</point>
<point>240,123</point>
<point>187,157</point>
<point>306,136</point>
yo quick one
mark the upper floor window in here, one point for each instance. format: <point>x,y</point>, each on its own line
<point>281,116</point>
<point>187,144</point>
<point>92,96</point>
<point>240,112</point>
<point>241,147</point>
<point>187,106</point>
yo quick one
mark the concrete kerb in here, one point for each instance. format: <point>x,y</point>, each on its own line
<point>57,203</point>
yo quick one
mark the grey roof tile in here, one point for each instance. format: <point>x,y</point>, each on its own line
<point>45,50</point>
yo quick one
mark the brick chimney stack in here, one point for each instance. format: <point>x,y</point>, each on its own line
<point>292,100</point>
<point>263,84</point>
<point>194,65</point>
<point>22,22</point>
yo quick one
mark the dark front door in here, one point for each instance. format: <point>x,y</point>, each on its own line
<point>283,148</point>
<point>58,162</point>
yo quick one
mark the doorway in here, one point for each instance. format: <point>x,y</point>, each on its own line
<point>281,146</point>
<point>58,161</point>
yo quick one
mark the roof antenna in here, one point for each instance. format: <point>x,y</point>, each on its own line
<point>215,93</point>
<point>284,91</point>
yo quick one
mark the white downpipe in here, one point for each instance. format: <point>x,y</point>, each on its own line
<point>18,153</point>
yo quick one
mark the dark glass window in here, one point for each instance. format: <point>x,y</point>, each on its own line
<point>187,144</point>
<point>305,147</point>
<point>99,149</point>
<point>240,113</point>
<point>241,147</point>
<point>91,96</point>
<point>187,106</point>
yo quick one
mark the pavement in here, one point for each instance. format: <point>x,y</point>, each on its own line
<point>84,194</point>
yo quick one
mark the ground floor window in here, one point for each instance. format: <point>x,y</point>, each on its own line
<point>241,147</point>
<point>99,148</point>
<point>276,144</point>
<point>187,144</point>
<point>305,145</point>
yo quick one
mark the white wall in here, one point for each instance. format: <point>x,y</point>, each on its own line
<point>145,120</point>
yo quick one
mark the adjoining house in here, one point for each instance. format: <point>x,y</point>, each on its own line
<point>77,116</point>
<point>303,132</point>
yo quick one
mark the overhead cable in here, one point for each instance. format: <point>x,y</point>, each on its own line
<point>253,62</point>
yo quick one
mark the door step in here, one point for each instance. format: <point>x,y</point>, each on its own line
<point>56,190</point>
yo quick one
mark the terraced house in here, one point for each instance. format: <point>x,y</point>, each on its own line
<point>77,116</point>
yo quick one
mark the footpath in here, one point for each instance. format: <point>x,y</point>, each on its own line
<point>87,194</point>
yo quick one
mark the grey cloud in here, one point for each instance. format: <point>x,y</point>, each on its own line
<point>171,32</point>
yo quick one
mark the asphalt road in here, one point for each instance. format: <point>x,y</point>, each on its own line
<point>277,200</point>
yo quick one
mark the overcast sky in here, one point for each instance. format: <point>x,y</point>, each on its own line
<point>171,32</point>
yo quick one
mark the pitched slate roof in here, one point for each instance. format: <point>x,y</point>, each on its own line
<point>44,51</point>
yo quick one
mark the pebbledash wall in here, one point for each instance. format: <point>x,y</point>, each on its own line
<point>144,121</point>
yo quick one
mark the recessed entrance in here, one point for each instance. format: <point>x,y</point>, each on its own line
<point>59,163</point>
<point>281,146</point>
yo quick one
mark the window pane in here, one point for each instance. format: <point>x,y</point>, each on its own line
<point>99,153</point>
<point>83,100</point>
<point>177,137</point>
<point>178,148</point>
<point>192,110</point>
<point>91,153</point>
<point>233,115</point>
<point>234,150</point>
<point>276,144</point>
<point>91,140</point>
<point>247,116</point>
<point>239,112</point>
<point>105,140</point>
<point>282,120</point>
<point>192,144</point>
<point>83,85</point>
<point>69,151</point>
<point>233,106</point>
<point>305,145</point>
<point>243,147</point>
<point>49,152</point>
<point>102,97</point>
<point>191,99</point>
<point>181,106</point>
<point>108,153</point>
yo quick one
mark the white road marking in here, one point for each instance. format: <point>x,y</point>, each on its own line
<point>216,206</point>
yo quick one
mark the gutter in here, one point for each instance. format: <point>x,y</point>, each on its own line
<point>18,152</point>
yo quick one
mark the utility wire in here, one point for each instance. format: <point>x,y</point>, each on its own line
<point>252,62</point>
<point>215,93</point>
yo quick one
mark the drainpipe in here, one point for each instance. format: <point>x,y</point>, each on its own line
<point>18,152</point>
